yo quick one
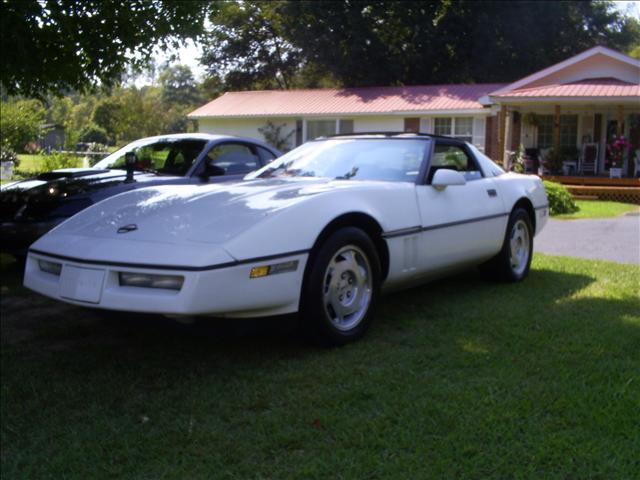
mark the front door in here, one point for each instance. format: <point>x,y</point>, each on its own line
<point>462,223</point>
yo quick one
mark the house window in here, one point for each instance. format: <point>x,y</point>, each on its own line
<point>326,128</point>
<point>442,126</point>
<point>568,130</point>
<point>458,127</point>
<point>346,126</point>
<point>545,131</point>
<point>320,128</point>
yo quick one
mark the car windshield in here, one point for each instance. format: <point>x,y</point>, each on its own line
<point>387,159</point>
<point>160,155</point>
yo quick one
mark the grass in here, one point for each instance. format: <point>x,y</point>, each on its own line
<point>458,379</point>
<point>30,163</point>
<point>598,209</point>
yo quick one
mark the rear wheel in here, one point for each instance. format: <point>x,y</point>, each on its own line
<point>340,288</point>
<point>514,260</point>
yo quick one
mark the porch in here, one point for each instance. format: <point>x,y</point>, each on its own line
<point>572,139</point>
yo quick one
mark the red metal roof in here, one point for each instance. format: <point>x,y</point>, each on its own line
<point>592,87</point>
<point>369,100</point>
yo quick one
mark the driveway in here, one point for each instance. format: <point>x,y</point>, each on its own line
<point>616,239</point>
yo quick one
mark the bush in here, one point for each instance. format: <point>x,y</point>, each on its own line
<point>560,200</point>
<point>57,160</point>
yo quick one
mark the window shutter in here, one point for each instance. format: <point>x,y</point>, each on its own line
<point>412,125</point>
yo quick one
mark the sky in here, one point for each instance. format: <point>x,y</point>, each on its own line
<point>190,52</point>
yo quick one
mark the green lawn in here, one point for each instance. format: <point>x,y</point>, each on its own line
<point>458,379</point>
<point>30,163</point>
<point>598,209</point>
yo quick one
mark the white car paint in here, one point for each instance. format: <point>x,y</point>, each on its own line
<point>214,234</point>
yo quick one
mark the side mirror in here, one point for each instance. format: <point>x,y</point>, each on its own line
<point>130,160</point>
<point>444,178</point>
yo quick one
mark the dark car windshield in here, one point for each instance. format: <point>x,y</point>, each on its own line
<point>164,156</point>
<point>387,159</point>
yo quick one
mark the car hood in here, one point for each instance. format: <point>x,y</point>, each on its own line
<point>210,213</point>
<point>70,181</point>
<point>40,196</point>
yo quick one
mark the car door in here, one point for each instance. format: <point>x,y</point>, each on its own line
<point>460,223</point>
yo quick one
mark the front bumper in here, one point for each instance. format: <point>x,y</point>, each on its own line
<point>18,236</point>
<point>222,292</point>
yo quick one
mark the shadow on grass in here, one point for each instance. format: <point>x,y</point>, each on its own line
<point>465,302</point>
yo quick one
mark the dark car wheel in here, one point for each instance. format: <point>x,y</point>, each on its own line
<point>340,289</point>
<point>514,260</point>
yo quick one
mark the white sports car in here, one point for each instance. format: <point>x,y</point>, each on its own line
<point>319,231</point>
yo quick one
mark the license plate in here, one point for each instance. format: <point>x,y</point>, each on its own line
<point>81,284</point>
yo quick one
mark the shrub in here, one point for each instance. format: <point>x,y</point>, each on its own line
<point>275,137</point>
<point>560,200</point>
<point>57,160</point>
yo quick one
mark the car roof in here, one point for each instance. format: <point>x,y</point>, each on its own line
<point>208,137</point>
<point>392,135</point>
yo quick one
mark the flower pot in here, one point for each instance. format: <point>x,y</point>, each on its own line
<point>6,170</point>
<point>615,172</point>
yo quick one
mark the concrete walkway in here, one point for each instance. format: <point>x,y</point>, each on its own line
<point>616,239</point>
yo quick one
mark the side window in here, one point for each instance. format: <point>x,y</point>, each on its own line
<point>266,155</point>
<point>233,158</point>
<point>454,157</point>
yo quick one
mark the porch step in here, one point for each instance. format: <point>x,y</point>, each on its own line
<point>594,181</point>
<point>618,194</point>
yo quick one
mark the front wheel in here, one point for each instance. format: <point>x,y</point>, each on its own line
<point>514,260</point>
<point>340,288</point>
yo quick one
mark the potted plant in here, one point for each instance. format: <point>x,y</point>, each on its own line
<point>8,161</point>
<point>553,161</point>
<point>616,151</point>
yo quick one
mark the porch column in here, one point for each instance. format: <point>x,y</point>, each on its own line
<point>502,135</point>
<point>619,130</point>
<point>556,130</point>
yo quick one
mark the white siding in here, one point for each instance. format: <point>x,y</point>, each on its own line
<point>246,127</point>
<point>378,124</point>
<point>426,125</point>
<point>598,66</point>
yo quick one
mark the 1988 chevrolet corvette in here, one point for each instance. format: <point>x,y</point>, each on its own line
<point>319,231</point>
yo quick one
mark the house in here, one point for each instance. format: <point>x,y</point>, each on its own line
<point>51,137</point>
<point>569,112</point>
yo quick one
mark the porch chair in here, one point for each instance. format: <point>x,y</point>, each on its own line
<point>589,158</point>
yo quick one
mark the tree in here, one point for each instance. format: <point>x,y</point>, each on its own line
<point>178,86</point>
<point>107,115</point>
<point>20,123</point>
<point>248,47</point>
<point>360,43</point>
<point>53,45</point>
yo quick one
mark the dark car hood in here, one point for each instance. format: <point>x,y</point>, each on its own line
<point>62,193</point>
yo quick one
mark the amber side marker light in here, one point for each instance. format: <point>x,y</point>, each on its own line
<point>264,270</point>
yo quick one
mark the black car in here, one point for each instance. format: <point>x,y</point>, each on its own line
<point>30,208</point>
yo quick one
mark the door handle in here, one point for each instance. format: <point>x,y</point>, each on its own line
<point>492,193</point>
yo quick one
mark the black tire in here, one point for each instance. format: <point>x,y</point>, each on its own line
<point>349,253</point>
<point>508,266</point>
